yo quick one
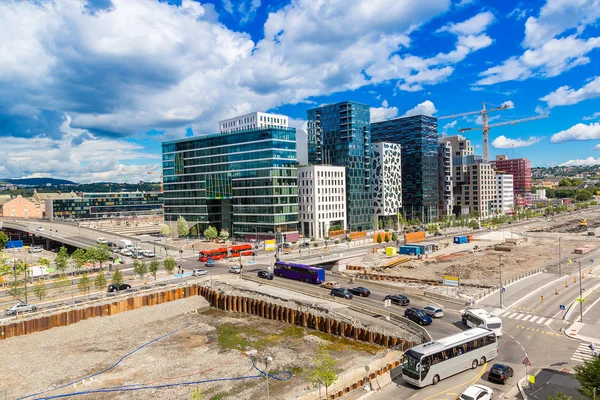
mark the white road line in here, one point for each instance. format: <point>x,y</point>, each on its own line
<point>534,318</point>
<point>527,318</point>
<point>542,319</point>
<point>519,316</point>
<point>512,315</point>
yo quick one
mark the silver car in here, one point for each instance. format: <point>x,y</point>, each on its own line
<point>20,308</point>
<point>199,272</point>
<point>433,311</point>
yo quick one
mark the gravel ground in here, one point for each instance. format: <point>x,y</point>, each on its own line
<point>51,358</point>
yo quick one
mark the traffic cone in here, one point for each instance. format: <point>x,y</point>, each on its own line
<point>566,283</point>
<point>582,275</point>
<point>590,271</point>
<point>555,291</point>
<point>574,279</point>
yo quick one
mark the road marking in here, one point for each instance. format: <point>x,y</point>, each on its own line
<point>542,319</point>
<point>527,318</point>
<point>468,383</point>
<point>512,315</point>
<point>583,352</point>
<point>534,318</point>
<point>538,330</point>
<point>519,316</point>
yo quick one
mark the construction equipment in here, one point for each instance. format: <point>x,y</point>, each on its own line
<point>486,126</point>
<point>161,178</point>
<point>584,222</point>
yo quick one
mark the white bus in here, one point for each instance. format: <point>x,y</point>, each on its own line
<point>480,318</point>
<point>431,362</point>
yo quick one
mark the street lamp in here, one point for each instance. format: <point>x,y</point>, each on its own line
<point>559,262</point>
<point>267,359</point>
<point>580,296</point>
<point>501,287</point>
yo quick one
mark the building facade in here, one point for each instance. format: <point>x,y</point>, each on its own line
<point>386,182</point>
<point>339,135</point>
<point>475,186</point>
<point>256,120</point>
<point>445,181</point>
<point>105,205</point>
<point>322,200</point>
<point>520,169</point>
<point>244,182</point>
<point>18,207</point>
<point>504,203</point>
<point>420,168</point>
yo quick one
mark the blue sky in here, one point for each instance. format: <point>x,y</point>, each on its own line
<point>91,88</point>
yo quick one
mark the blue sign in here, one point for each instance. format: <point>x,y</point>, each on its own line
<point>591,261</point>
<point>504,289</point>
<point>562,306</point>
<point>12,244</point>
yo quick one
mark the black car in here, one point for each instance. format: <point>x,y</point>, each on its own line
<point>418,316</point>
<point>265,274</point>
<point>500,373</point>
<point>341,292</point>
<point>114,288</point>
<point>360,291</point>
<point>399,299</point>
<point>304,245</point>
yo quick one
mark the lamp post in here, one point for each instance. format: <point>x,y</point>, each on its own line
<point>580,296</point>
<point>267,359</point>
<point>559,262</point>
<point>501,287</point>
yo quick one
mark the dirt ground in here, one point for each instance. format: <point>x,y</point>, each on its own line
<point>208,345</point>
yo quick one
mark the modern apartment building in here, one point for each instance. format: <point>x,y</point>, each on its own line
<point>339,135</point>
<point>386,181</point>
<point>504,203</point>
<point>420,167</point>
<point>445,181</point>
<point>520,169</point>
<point>245,182</point>
<point>256,120</point>
<point>322,200</point>
<point>475,186</point>
<point>105,205</point>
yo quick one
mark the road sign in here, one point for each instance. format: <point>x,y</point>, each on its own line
<point>503,289</point>
<point>532,379</point>
<point>591,261</point>
<point>580,300</point>
<point>450,280</point>
<point>526,362</point>
<point>562,306</point>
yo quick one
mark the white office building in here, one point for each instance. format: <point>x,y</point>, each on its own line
<point>386,181</point>
<point>504,202</point>
<point>322,200</point>
<point>256,120</point>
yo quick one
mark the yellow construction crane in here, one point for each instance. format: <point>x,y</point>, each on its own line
<point>486,126</point>
<point>161,178</point>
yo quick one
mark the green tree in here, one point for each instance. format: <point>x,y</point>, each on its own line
<point>117,278</point>
<point>165,230</point>
<point>583,195</point>
<point>62,260</point>
<point>224,234</point>
<point>323,371</point>
<point>379,239</point>
<point>387,238</point>
<point>394,237</point>
<point>102,254</point>
<point>100,281</point>
<point>588,375</point>
<point>79,258</point>
<point>140,268</point>
<point>84,283</point>
<point>154,265</point>
<point>197,394</point>
<point>211,233</point>
<point>61,283</point>
<point>44,262</point>
<point>380,223</point>
<point>564,182</point>
<point>3,240</point>
<point>194,230</point>
<point>16,288</point>
<point>40,290</point>
<point>182,227</point>
<point>169,264</point>
<point>559,396</point>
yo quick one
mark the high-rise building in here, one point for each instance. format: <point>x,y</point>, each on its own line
<point>475,186</point>
<point>339,135</point>
<point>504,194</point>
<point>445,181</point>
<point>256,120</point>
<point>322,198</point>
<point>418,137</point>
<point>386,182</point>
<point>245,182</point>
<point>520,169</point>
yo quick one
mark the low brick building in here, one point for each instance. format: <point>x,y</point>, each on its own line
<point>18,207</point>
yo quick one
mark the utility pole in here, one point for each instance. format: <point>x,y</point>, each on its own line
<point>559,258</point>
<point>501,287</point>
<point>267,359</point>
<point>580,296</point>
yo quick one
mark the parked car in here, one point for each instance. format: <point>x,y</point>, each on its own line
<point>235,269</point>
<point>477,392</point>
<point>199,272</point>
<point>433,311</point>
<point>127,252</point>
<point>304,245</point>
<point>110,244</point>
<point>115,288</point>
<point>210,262</point>
<point>102,241</point>
<point>500,373</point>
<point>265,274</point>
<point>20,308</point>
<point>148,253</point>
<point>35,249</point>
<point>361,291</point>
<point>341,292</point>
<point>39,228</point>
<point>398,299</point>
<point>418,316</point>
<point>331,285</point>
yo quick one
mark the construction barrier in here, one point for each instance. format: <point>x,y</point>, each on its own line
<point>414,237</point>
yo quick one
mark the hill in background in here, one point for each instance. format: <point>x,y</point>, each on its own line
<point>38,181</point>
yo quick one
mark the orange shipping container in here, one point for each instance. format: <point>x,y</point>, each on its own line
<point>414,237</point>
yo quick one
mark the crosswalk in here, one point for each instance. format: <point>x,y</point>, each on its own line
<point>583,352</point>
<point>528,318</point>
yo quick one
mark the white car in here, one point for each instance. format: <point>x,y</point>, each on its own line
<point>148,253</point>
<point>102,241</point>
<point>433,311</point>
<point>39,228</point>
<point>35,249</point>
<point>477,392</point>
<point>199,272</point>
<point>126,252</point>
<point>20,308</point>
<point>235,269</point>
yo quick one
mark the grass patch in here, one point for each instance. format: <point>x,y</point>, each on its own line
<point>219,396</point>
<point>295,332</point>
<point>235,337</point>
<point>336,343</point>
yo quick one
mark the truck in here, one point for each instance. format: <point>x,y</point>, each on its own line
<point>124,244</point>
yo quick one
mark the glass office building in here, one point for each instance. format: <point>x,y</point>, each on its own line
<point>245,182</point>
<point>106,205</point>
<point>339,135</point>
<point>418,137</point>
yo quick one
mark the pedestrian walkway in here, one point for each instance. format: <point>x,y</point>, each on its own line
<point>530,318</point>
<point>584,353</point>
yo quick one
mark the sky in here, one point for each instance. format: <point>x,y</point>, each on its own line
<point>90,88</point>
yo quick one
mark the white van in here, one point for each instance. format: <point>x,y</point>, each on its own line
<point>480,318</point>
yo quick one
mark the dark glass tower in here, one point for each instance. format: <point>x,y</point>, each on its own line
<point>339,135</point>
<point>418,137</point>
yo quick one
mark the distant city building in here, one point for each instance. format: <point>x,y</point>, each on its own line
<point>386,182</point>
<point>322,200</point>
<point>105,205</point>
<point>504,202</point>
<point>256,120</point>
<point>40,198</point>
<point>520,169</point>
<point>244,182</point>
<point>540,194</point>
<point>418,137</point>
<point>18,207</point>
<point>302,146</point>
<point>339,135</point>
<point>445,181</point>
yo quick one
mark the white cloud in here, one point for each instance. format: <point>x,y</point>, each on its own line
<point>502,142</point>
<point>541,110</point>
<point>450,125</point>
<point>383,113</point>
<point>384,103</point>
<point>577,132</point>
<point>565,95</point>
<point>595,148</point>
<point>511,69</point>
<point>473,26</point>
<point>582,162</point>
<point>424,108</point>
<point>509,104</point>
<point>592,117</point>
<point>464,3</point>
<point>244,11</point>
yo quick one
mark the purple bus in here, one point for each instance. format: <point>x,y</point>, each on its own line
<point>300,272</point>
